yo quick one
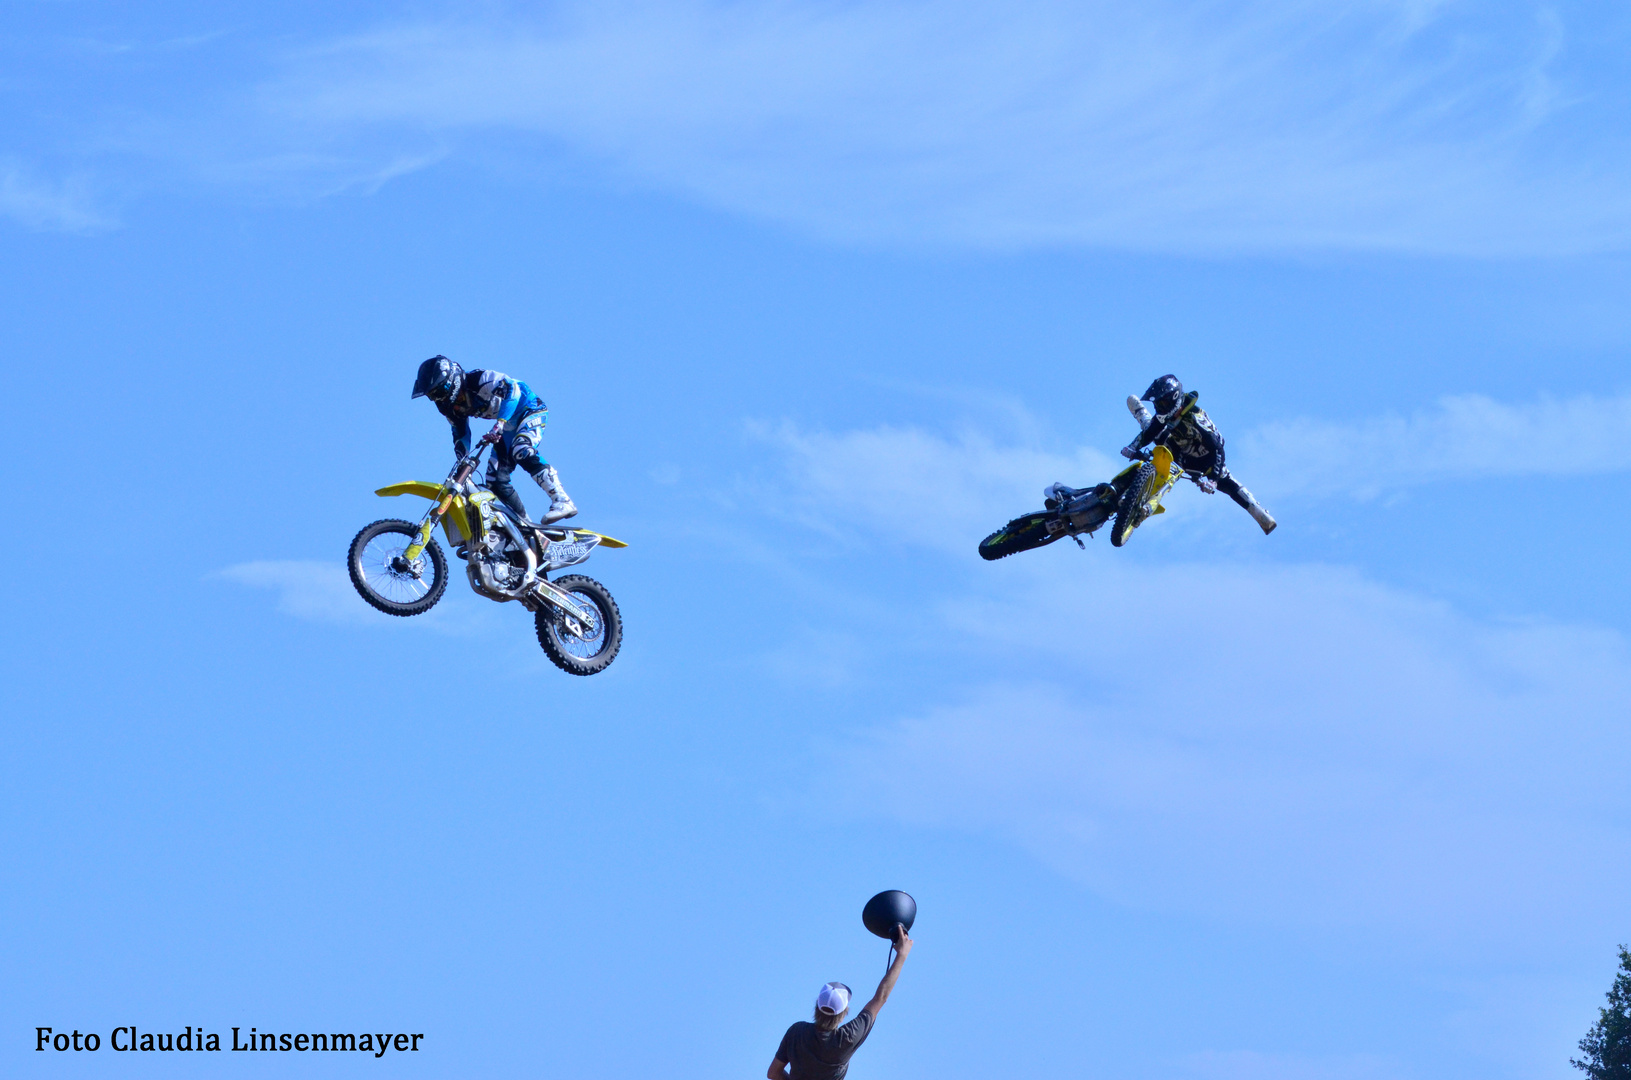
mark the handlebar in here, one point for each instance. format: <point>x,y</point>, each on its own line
<point>1194,475</point>
<point>467,464</point>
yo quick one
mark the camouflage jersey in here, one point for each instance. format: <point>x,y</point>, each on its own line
<point>1191,436</point>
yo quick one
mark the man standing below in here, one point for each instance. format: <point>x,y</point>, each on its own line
<point>821,1050</point>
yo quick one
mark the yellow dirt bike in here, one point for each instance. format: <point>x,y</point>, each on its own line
<point>1132,497</point>
<point>1151,482</point>
<point>398,567</point>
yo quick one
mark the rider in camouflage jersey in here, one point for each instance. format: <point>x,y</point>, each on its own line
<point>1182,427</point>
<point>491,395</point>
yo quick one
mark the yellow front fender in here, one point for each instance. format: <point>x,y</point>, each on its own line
<point>1163,463</point>
<point>455,523</point>
<point>413,487</point>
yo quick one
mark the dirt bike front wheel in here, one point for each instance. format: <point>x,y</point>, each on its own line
<point>389,581</point>
<point>1020,534</point>
<point>1130,510</point>
<point>578,647</point>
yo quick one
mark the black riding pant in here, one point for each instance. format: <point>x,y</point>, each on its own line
<point>1212,466</point>
<point>519,446</point>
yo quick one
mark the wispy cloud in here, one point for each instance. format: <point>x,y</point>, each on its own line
<point>937,489</point>
<point>1293,745</point>
<point>907,483</point>
<point>1459,438</point>
<point>320,591</point>
<point>1270,125</point>
<point>313,174</point>
<point>305,588</point>
<point>62,206</point>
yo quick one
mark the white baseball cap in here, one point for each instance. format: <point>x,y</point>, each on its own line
<point>833,999</point>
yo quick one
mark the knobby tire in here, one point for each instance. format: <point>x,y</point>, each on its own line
<point>1020,534</point>
<point>409,530</point>
<point>551,626</point>
<point>1130,510</point>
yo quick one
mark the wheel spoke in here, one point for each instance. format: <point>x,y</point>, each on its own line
<point>594,637</point>
<point>377,562</point>
<point>593,615</point>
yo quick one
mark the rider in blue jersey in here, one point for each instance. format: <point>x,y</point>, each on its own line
<point>491,395</point>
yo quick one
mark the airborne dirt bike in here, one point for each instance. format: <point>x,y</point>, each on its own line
<point>399,568</point>
<point>1132,497</point>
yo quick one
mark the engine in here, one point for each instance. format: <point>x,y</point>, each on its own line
<point>499,569</point>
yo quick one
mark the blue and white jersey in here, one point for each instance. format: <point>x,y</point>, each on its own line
<point>488,395</point>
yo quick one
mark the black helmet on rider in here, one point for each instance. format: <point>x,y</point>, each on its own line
<point>1167,393</point>
<point>439,379</point>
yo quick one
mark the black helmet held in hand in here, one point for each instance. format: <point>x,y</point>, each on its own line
<point>439,379</point>
<point>1167,393</point>
<point>889,908</point>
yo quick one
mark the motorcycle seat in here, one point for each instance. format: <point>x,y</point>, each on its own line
<point>554,532</point>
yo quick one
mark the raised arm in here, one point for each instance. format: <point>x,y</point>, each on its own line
<point>461,427</point>
<point>903,945</point>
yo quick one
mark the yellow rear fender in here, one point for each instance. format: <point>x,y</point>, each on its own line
<point>570,533</point>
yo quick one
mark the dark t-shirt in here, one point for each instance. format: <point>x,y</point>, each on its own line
<point>822,1055</point>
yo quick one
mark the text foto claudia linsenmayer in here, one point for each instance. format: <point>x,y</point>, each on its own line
<point>129,1038</point>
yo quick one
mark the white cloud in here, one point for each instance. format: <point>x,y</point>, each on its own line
<point>321,591</point>
<point>905,483</point>
<point>1460,438</point>
<point>1268,125</point>
<point>306,589</point>
<point>1292,745</point>
<point>57,207</point>
<point>909,484</point>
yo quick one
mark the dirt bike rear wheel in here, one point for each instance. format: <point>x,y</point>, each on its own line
<point>1130,510</point>
<point>387,582</point>
<point>1020,534</point>
<point>597,646</point>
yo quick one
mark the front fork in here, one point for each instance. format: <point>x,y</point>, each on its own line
<point>450,490</point>
<point>428,526</point>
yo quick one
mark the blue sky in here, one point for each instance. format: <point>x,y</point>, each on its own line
<point>819,294</point>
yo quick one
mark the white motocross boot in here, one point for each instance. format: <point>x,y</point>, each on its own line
<point>560,503</point>
<point>1140,412</point>
<point>1263,518</point>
